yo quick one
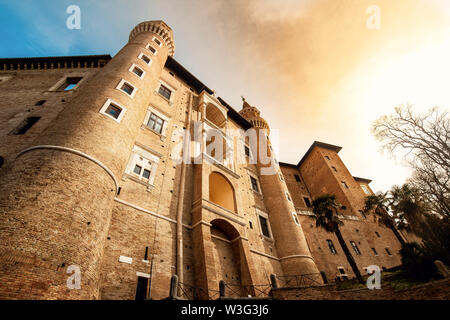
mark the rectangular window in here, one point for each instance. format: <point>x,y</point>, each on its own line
<point>344,185</point>
<point>142,166</point>
<point>127,88</point>
<point>247,151</point>
<point>375,251</point>
<point>145,58</point>
<point>70,83</point>
<point>155,123</point>
<point>341,270</point>
<point>156,40</point>
<point>334,169</point>
<point>250,224</point>
<point>288,197</point>
<point>165,92</point>
<point>254,183</point>
<point>307,202</point>
<point>327,157</point>
<point>138,71</point>
<point>388,252</point>
<point>113,111</point>
<point>331,246</point>
<point>294,215</point>
<point>40,102</point>
<point>25,125</point>
<point>297,177</point>
<point>365,189</point>
<point>264,226</point>
<point>378,235</point>
<point>355,247</point>
<point>151,49</point>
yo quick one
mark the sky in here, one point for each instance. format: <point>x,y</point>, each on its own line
<point>316,69</point>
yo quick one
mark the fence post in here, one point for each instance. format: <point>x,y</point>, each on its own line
<point>274,281</point>
<point>222,288</point>
<point>173,286</point>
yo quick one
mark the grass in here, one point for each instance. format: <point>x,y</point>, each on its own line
<point>397,280</point>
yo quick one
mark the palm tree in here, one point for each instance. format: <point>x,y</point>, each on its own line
<point>326,211</point>
<point>379,204</point>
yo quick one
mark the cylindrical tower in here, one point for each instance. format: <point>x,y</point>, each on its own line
<point>56,197</point>
<point>292,248</point>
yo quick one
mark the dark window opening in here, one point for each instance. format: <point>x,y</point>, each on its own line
<point>307,202</point>
<point>40,102</point>
<point>165,92</point>
<point>146,174</point>
<point>157,41</point>
<point>254,184</point>
<point>355,247</point>
<point>145,59</point>
<point>141,289</point>
<point>70,83</point>
<point>247,151</point>
<point>153,50</point>
<point>331,246</point>
<point>297,177</point>
<point>344,185</point>
<point>113,111</point>
<point>327,157</point>
<point>2,161</point>
<point>137,169</point>
<point>334,169</point>
<point>341,270</point>
<point>264,226</point>
<point>25,125</point>
<point>155,123</point>
<point>388,252</point>
<point>375,251</point>
<point>138,71</point>
<point>378,235</point>
<point>250,224</point>
<point>127,88</point>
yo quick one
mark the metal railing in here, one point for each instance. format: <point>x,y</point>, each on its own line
<point>230,290</point>
<point>297,281</point>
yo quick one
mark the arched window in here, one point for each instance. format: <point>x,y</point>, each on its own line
<point>221,191</point>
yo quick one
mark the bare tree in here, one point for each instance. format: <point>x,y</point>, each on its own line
<point>425,139</point>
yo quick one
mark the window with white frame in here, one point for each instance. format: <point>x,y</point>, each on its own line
<point>137,71</point>
<point>156,40</point>
<point>294,215</point>
<point>142,165</point>
<point>113,110</point>
<point>151,49</point>
<point>127,88</point>
<point>264,224</point>
<point>166,91</point>
<point>288,196</point>
<point>145,58</point>
<point>156,121</point>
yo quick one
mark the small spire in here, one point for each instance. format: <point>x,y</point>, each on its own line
<point>243,98</point>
